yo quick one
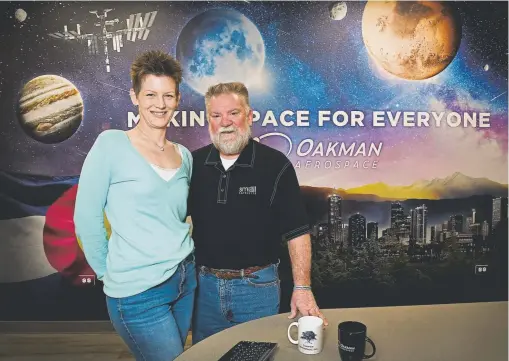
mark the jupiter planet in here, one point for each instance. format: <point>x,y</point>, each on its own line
<point>50,109</point>
<point>412,40</point>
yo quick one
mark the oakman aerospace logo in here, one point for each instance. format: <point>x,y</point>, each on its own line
<point>309,147</point>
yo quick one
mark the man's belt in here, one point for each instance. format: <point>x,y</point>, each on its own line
<point>234,274</point>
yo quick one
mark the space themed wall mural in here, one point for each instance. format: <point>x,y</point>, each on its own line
<point>394,115</point>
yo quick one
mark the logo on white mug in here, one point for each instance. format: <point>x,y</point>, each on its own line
<point>310,334</point>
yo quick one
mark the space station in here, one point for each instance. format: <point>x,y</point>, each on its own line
<point>137,29</point>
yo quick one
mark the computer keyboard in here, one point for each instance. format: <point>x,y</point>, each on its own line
<point>250,351</point>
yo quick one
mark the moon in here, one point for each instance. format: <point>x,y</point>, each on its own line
<point>20,15</point>
<point>486,67</point>
<point>412,40</point>
<point>220,45</point>
<point>337,11</point>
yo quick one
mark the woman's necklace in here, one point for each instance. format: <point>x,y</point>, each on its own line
<point>161,148</point>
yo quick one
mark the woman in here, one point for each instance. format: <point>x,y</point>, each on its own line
<point>140,180</point>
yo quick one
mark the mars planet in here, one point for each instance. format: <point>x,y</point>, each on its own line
<point>412,40</point>
<point>50,109</point>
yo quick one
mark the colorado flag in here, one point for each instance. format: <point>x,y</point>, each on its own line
<point>41,260</point>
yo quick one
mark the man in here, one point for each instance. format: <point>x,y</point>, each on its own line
<point>244,199</point>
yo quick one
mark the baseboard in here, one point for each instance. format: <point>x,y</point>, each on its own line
<point>55,326</point>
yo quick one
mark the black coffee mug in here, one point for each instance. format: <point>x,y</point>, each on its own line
<point>352,341</point>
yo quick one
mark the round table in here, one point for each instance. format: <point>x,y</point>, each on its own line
<point>466,332</point>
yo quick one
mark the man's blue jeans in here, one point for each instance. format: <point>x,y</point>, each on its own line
<point>221,304</point>
<point>154,324</point>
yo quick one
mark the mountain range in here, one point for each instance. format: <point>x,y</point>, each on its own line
<point>454,186</point>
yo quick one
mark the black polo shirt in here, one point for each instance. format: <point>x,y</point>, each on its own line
<point>240,216</point>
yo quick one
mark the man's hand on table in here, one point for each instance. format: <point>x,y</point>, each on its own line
<point>303,301</point>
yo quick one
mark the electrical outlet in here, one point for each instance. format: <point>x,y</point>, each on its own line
<point>481,269</point>
<point>87,280</point>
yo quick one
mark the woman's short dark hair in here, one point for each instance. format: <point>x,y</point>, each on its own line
<point>155,62</point>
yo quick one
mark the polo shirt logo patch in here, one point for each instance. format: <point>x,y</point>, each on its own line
<point>247,190</point>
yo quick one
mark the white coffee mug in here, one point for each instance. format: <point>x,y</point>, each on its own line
<point>310,334</point>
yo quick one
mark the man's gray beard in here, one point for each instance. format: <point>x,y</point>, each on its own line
<point>232,147</point>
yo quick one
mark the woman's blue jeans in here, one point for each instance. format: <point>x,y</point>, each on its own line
<point>155,323</point>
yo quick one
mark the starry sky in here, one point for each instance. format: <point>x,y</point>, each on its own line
<point>312,63</point>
